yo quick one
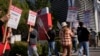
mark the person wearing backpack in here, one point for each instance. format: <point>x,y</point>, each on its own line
<point>83,38</point>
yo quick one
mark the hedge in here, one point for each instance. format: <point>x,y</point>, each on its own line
<point>21,48</point>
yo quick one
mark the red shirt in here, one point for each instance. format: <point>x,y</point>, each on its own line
<point>3,44</point>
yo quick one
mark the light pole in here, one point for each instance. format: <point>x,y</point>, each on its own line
<point>96,17</point>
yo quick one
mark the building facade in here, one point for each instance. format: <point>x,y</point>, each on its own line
<point>60,10</point>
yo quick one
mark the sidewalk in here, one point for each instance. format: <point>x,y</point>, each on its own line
<point>93,52</point>
<point>99,43</point>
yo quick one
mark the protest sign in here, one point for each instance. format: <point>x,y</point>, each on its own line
<point>32,18</point>
<point>72,15</point>
<point>15,14</point>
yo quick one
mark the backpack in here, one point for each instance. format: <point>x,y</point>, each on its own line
<point>82,32</point>
<point>79,32</point>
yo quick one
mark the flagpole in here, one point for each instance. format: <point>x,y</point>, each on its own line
<point>96,17</point>
<point>46,33</point>
<point>42,26</point>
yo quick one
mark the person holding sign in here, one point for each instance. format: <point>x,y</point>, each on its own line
<point>32,42</point>
<point>3,20</point>
<point>32,35</point>
<point>66,35</point>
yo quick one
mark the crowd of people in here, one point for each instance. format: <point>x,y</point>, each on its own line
<point>69,37</point>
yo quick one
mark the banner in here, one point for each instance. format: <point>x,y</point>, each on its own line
<point>32,18</point>
<point>15,14</point>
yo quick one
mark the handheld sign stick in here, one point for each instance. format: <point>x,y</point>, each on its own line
<point>31,21</point>
<point>29,34</point>
<point>4,37</point>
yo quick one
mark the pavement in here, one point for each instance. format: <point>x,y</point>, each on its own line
<point>99,43</point>
<point>93,51</point>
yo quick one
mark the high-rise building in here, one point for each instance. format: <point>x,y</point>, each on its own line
<point>60,8</point>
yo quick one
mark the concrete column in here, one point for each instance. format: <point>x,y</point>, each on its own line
<point>96,15</point>
<point>96,18</point>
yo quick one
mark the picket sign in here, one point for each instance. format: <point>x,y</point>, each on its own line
<point>32,18</point>
<point>15,14</point>
<point>72,14</point>
<point>31,21</point>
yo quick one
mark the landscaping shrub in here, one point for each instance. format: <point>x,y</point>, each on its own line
<point>19,48</point>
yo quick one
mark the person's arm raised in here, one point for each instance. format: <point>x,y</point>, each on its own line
<point>5,18</point>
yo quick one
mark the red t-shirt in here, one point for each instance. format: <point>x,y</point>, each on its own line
<point>2,47</point>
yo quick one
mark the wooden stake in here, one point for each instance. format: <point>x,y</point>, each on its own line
<point>29,34</point>
<point>4,37</point>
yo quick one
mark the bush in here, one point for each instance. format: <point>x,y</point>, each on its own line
<point>19,48</point>
<point>42,49</point>
<point>58,46</point>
